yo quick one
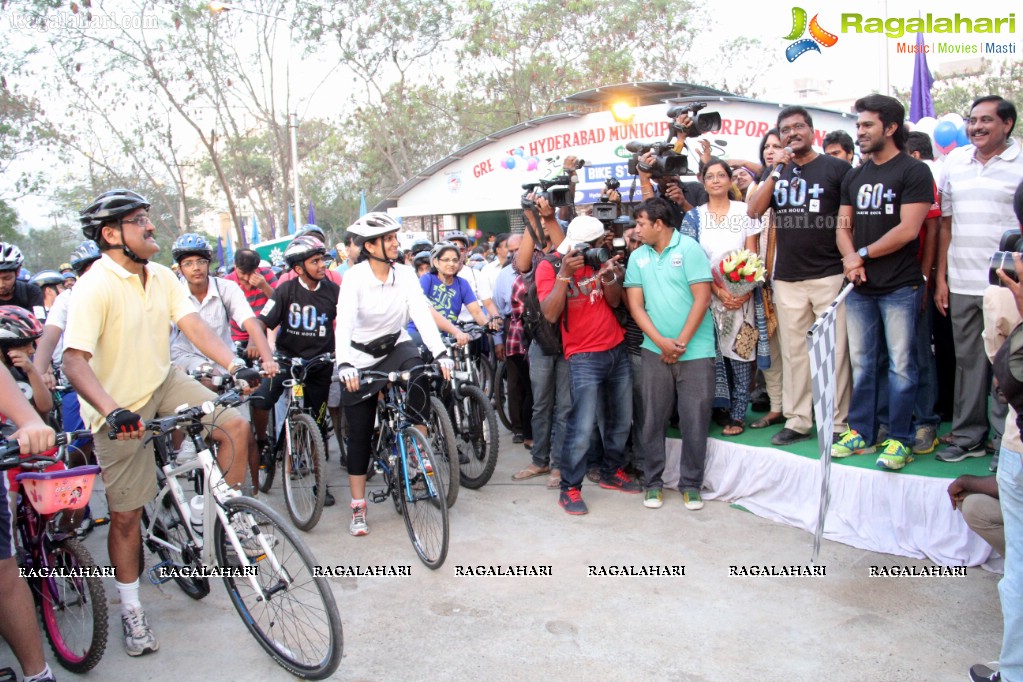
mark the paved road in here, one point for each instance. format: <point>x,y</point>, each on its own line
<point>704,625</point>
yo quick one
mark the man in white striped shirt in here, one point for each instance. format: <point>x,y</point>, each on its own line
<point>977,184</point>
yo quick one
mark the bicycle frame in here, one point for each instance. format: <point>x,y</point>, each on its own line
<point>392,423</point>
<point>216,491</point>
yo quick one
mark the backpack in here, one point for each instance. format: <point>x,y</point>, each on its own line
<point>537,328</point>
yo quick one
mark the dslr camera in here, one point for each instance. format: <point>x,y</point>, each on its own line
<point>594,256</point>
<point>1010,243</point>
<point>604,210</point>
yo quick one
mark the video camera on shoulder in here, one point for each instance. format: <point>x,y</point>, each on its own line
<point>1010,243</point>
<point>668,161</point>
<point>556,191</point>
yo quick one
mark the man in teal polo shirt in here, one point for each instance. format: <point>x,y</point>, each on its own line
<point>668,291</point>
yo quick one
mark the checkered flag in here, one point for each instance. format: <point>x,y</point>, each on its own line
<point>820,343</point>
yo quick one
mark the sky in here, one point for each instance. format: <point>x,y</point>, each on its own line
<point>856,64</point>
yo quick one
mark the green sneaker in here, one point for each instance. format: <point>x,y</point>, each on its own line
<point>894,456</point>
<point>692,499</point>
<point>654,498</point>
<point>850,443</point>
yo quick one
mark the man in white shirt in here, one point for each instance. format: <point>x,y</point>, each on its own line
<point>977,184</point>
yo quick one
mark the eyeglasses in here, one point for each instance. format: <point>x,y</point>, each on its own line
<point>195,263</point>
<point>794,128</point>
<point>141,221</point>
<point>448,261</point>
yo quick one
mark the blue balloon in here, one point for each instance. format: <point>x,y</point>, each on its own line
<point>519,152</point>
<point>509,163</point>
<point>944,133</point>
<point>962,139</point>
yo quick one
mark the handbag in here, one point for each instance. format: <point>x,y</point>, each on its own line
<point>745,343</point>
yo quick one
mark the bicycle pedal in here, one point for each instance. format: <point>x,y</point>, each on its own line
<point>8,675</point>
<point>377,496</point>
<point>102,521</point>
<point>153,572</point>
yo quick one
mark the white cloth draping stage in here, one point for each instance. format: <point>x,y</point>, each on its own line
<point>893,513</point>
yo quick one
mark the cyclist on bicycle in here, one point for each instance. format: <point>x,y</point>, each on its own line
<point>18,625</point>
<point>317,232</point>
<point>117,355</point>
<point>303,311</point>
<point>14,291</point>
<point>52,284</point>
<point>377,299</point>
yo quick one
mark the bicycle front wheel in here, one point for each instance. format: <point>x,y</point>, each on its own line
<point>485,374</point>
<point>292,614</point>
<point>442,440</point>
<point>501,394</point>
<point>477,437</point>
<point>74,609</point>
<point>423,502</point>
<point>304,484</point>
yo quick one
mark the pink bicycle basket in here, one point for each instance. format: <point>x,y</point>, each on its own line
<point>51,491</point>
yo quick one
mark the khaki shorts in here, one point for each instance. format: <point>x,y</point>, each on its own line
<point>129,473</point>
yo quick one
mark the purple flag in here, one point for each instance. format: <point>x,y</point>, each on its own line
<point>220,251</point>
<point>312,215</point>
<point>920,103</point>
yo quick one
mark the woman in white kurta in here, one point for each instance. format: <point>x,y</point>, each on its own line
<point>724,227</point>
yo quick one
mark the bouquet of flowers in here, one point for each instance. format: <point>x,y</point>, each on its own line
<point>740,272</point>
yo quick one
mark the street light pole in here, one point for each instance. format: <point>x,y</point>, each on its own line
<point>293,125</point>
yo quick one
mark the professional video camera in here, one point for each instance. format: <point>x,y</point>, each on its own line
<point>702,123</point>
<point>1010,243</point>
<point>604,210</point>
<point>556,191</point>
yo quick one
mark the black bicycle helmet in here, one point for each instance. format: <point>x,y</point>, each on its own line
<point>303,248</point>
<point>191,244</point>
<point>47,278</point>
<point>109,207</point>
<point>18,326</point>
<point>11,257</point>
<point>86,253</point>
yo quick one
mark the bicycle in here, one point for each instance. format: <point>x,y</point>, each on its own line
<point>63,576</point>
<point>267,568</point>
<point>501,394</point>
<point>409,467</point>
<point>472,417</point>
<point>299,448</point>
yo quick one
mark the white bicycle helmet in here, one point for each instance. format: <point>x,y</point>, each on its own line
<point>373,225</point>
<point>11,257</point>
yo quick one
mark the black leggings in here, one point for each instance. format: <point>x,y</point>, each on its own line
<point>361,415</point>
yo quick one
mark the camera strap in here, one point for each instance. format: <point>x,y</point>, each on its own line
<point>542,243</point>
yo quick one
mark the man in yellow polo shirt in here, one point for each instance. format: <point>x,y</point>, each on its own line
<point>117,356</point>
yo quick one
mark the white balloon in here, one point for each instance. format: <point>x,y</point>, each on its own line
<point>925,125</point>
<point>956,119</point>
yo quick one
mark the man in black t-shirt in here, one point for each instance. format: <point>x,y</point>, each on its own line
<point>804,191</point>
<point>14,292</point>
<point>884,203</point>
<point>303,312</point>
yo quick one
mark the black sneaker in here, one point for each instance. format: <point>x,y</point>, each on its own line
<point>620,481</point>
<point>788,436</point>
<point>982,673</point>
<point>571,501</point>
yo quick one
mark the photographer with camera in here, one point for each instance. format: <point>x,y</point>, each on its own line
<point>579,297</point>
<point>682,197</point>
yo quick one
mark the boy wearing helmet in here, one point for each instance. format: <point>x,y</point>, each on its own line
<point>19,330</point>
<point>303,311</point>
<point>12,290</point>
<point>52,284</point>
<point>314,231</point>
<point>117,356</point>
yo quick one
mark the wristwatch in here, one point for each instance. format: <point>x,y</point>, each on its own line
<point>235,365</point>
<point>862,253</point>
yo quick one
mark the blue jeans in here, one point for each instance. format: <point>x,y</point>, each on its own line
<point>603,377</point>
<point>927,372</point>
<point>1010,587</point>
<point>883,324</point>
<point>552,399</point>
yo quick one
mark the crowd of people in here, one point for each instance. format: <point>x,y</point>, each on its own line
<point>607,335</point>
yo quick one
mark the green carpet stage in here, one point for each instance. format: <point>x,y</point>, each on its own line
<point>906,513</point>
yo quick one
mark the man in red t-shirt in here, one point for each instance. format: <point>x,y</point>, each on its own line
<point>580,298</point>
<point>256,282</point>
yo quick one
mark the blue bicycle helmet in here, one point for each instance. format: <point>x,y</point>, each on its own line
<point>191,244</point>
<point>86,254</point>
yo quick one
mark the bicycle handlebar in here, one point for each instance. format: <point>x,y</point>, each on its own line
<point>186,414</point>
<point>10,451</point>
<point>404,376</point>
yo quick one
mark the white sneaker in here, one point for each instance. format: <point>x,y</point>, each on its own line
<point>138,637</point>
<point>186,452</point>
<point>358,526</point>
